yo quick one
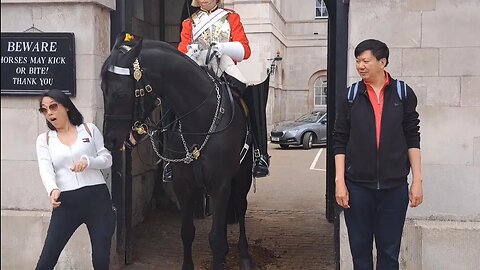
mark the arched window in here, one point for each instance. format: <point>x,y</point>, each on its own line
<point>320,9</point>
<point>320,88</point>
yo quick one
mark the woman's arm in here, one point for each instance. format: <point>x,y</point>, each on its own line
<point>103,160</point>
<point>45,165</point>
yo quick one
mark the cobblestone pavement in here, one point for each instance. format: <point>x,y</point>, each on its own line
<point>286,225</point>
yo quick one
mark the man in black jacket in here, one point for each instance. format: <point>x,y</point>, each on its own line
<point>376,143</point>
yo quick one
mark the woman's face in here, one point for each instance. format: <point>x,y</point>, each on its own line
<point>54,112</point>
<point>208,4</point>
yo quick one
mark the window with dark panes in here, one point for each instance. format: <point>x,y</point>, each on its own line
<point>320,88</point>
<point>320,9</point>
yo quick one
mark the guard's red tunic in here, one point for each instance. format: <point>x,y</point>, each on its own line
<point>236,33</point>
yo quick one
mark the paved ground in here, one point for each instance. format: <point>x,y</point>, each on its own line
<point>286,223</point>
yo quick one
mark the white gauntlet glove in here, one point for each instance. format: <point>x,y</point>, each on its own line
<point>193,51</point>
<point>217,49</point>
<point>233,49</point>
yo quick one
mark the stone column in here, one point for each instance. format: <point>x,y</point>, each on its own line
<point>25,207</point>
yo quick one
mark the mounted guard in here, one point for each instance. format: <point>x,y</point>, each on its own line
<point>207,150</point>
<point>214,33</point>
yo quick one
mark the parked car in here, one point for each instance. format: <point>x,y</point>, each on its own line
<point>308,130</point>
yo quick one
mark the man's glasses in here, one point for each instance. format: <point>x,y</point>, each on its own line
<point>52,107</point>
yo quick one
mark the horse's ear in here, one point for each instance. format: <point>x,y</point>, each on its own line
<point>126,41</point>
<point>127,47</point>
<point>119,40</point>
<point>133,47</point>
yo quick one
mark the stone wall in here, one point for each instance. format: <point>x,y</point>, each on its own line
<point>25,207</point>
<point>434,51</point>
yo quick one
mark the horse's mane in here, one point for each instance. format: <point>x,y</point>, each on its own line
<point>146,44</point>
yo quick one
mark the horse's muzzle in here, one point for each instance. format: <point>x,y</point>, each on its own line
<point>109,145</point>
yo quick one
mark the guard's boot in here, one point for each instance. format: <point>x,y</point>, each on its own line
<point>237,86</point>
<point>256,98</point>
<point>167,176</point>
<point>261,164</point>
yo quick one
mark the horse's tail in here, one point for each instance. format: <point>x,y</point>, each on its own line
<point>232,215</point>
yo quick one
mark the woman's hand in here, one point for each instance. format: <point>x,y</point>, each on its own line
<point>54,195</point>
<point>132,139</point>
<point>79,166</point>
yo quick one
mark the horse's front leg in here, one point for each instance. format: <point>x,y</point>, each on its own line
<point>241,186</point>
<point>246,262</point>
<point>188,228</point>
<point>218,232</point>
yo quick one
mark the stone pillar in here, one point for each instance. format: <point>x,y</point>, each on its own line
<point>25,207</point>
<point>432,49</point>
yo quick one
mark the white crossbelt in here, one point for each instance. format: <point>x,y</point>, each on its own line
<point>204,25</point>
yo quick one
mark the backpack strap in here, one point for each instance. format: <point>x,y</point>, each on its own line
<point>90,133</point>
<point>352,92</point>
<point>402,92</point>
<point>88,130</point>
<point>46,134</point>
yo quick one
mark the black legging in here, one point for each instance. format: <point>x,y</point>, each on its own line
<point>91,205</point>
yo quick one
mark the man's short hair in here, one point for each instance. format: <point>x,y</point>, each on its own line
<point>378,49</point>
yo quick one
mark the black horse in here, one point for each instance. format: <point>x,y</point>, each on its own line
<point>136,77</point>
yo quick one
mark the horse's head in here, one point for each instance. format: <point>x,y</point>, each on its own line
<point>118,86</point>
<point>129,98</point>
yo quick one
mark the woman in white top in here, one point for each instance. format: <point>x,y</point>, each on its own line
<point>70,156</point>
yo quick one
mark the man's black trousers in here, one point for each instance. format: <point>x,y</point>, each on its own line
<point>376,214</point>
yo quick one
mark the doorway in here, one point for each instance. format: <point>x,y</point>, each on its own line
<point>136,182</point>
<point>142,18</point>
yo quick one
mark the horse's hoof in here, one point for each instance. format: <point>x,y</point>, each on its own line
<point>246,264</point>
<point>219,266</point>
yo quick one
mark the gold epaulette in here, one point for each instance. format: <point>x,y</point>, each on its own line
<point>194,15</point>
<point>229,10</point>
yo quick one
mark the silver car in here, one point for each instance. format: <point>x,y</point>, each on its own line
<point>307,130</point>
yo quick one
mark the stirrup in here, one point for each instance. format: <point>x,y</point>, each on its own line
<point>167,175</point>
<point>261,165</point>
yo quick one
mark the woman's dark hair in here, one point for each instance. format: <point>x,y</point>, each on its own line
<point>75,117</point>
<point>378,48</point>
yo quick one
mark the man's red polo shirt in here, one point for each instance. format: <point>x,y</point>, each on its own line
<point>377,104</point>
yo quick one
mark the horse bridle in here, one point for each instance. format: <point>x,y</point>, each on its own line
<point>141,127</point>
<point>141,89</point>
